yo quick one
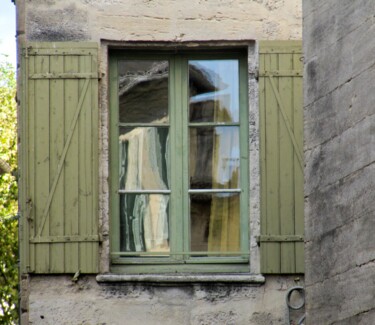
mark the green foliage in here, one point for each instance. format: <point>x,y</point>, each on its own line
<point>8,197</point>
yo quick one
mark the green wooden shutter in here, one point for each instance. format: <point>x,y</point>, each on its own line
<point>281,145</point>
<point>59,158</point>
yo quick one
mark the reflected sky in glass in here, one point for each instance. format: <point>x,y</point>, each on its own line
<point>214,90</point>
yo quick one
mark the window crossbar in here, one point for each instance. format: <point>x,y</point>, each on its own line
<point>179,253</point>
<point>213,124</point>
<point>144,191</point>
<point>153,124</point>
<point>219,190</point>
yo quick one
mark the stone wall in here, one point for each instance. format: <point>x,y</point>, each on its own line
<point>340,161</point>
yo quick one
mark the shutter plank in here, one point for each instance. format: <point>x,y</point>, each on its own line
<point>286,167</point>
<point>87,250</point>
<point>71,168</point>
<point>23,173</point>
<point>95,162</point>
<point>42,157</point>
<point>82,176</point>
<point>272,250</point>
<point>57,144</point>
<point>298,172</point>
<point>30,147</point>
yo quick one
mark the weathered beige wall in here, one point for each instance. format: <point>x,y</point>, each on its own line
<point>57,300</point>
<point>166,20</point>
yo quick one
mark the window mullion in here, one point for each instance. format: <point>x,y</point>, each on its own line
<point>185,154</point>
<point>177,152</point>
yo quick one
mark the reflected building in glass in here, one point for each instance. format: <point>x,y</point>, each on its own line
<point>213,157</point>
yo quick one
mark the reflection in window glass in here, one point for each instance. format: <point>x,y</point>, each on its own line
<point>214,157</point>
<point>213,91</point>
<point>143,91</point>
<point>143,158</point>
<point>144,223</point>
<point>215,222</point>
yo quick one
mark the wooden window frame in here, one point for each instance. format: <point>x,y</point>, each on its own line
<point>179,210</point>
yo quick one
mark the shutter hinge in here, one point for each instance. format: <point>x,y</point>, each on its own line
<point>29,208</point>
<point>26,50</point>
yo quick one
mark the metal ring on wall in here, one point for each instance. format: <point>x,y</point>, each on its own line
<point>301,290</point>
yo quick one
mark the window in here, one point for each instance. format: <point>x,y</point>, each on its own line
<point>179,161</point>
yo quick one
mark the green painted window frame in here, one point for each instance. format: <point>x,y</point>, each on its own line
<point>179,261</point>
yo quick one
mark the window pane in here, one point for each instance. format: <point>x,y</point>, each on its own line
<point>144,158</point>
<point>215,222</point>
<point>143,91</point>
<point>214,157</point>
<point>144,223</point>
<point>214,90</point>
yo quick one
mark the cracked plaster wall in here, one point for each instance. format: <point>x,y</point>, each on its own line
<point>339,123</point>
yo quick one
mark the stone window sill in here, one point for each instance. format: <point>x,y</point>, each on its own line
<point>182,278</point>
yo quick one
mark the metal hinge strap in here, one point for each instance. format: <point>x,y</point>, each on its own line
<point>49,75</point>
<point>279,238</point>
<point>64,239</point>
<point>281,73</point>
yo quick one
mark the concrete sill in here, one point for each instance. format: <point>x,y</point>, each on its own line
<point>183,278</point>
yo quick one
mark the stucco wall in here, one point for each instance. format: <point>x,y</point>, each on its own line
<point>57,300</point>
<point>340,161</point>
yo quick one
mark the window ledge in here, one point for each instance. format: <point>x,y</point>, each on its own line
<point>183,278</point>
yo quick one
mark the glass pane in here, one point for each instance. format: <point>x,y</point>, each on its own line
<point>215,222</point>
<point>143,91</point>
<point>214,90</point>
<point>214,157</point>
<point>144,223</point>
<point>144,158</point>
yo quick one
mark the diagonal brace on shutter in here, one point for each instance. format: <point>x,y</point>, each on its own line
<point>287,122</point>
<point>63,156</point>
